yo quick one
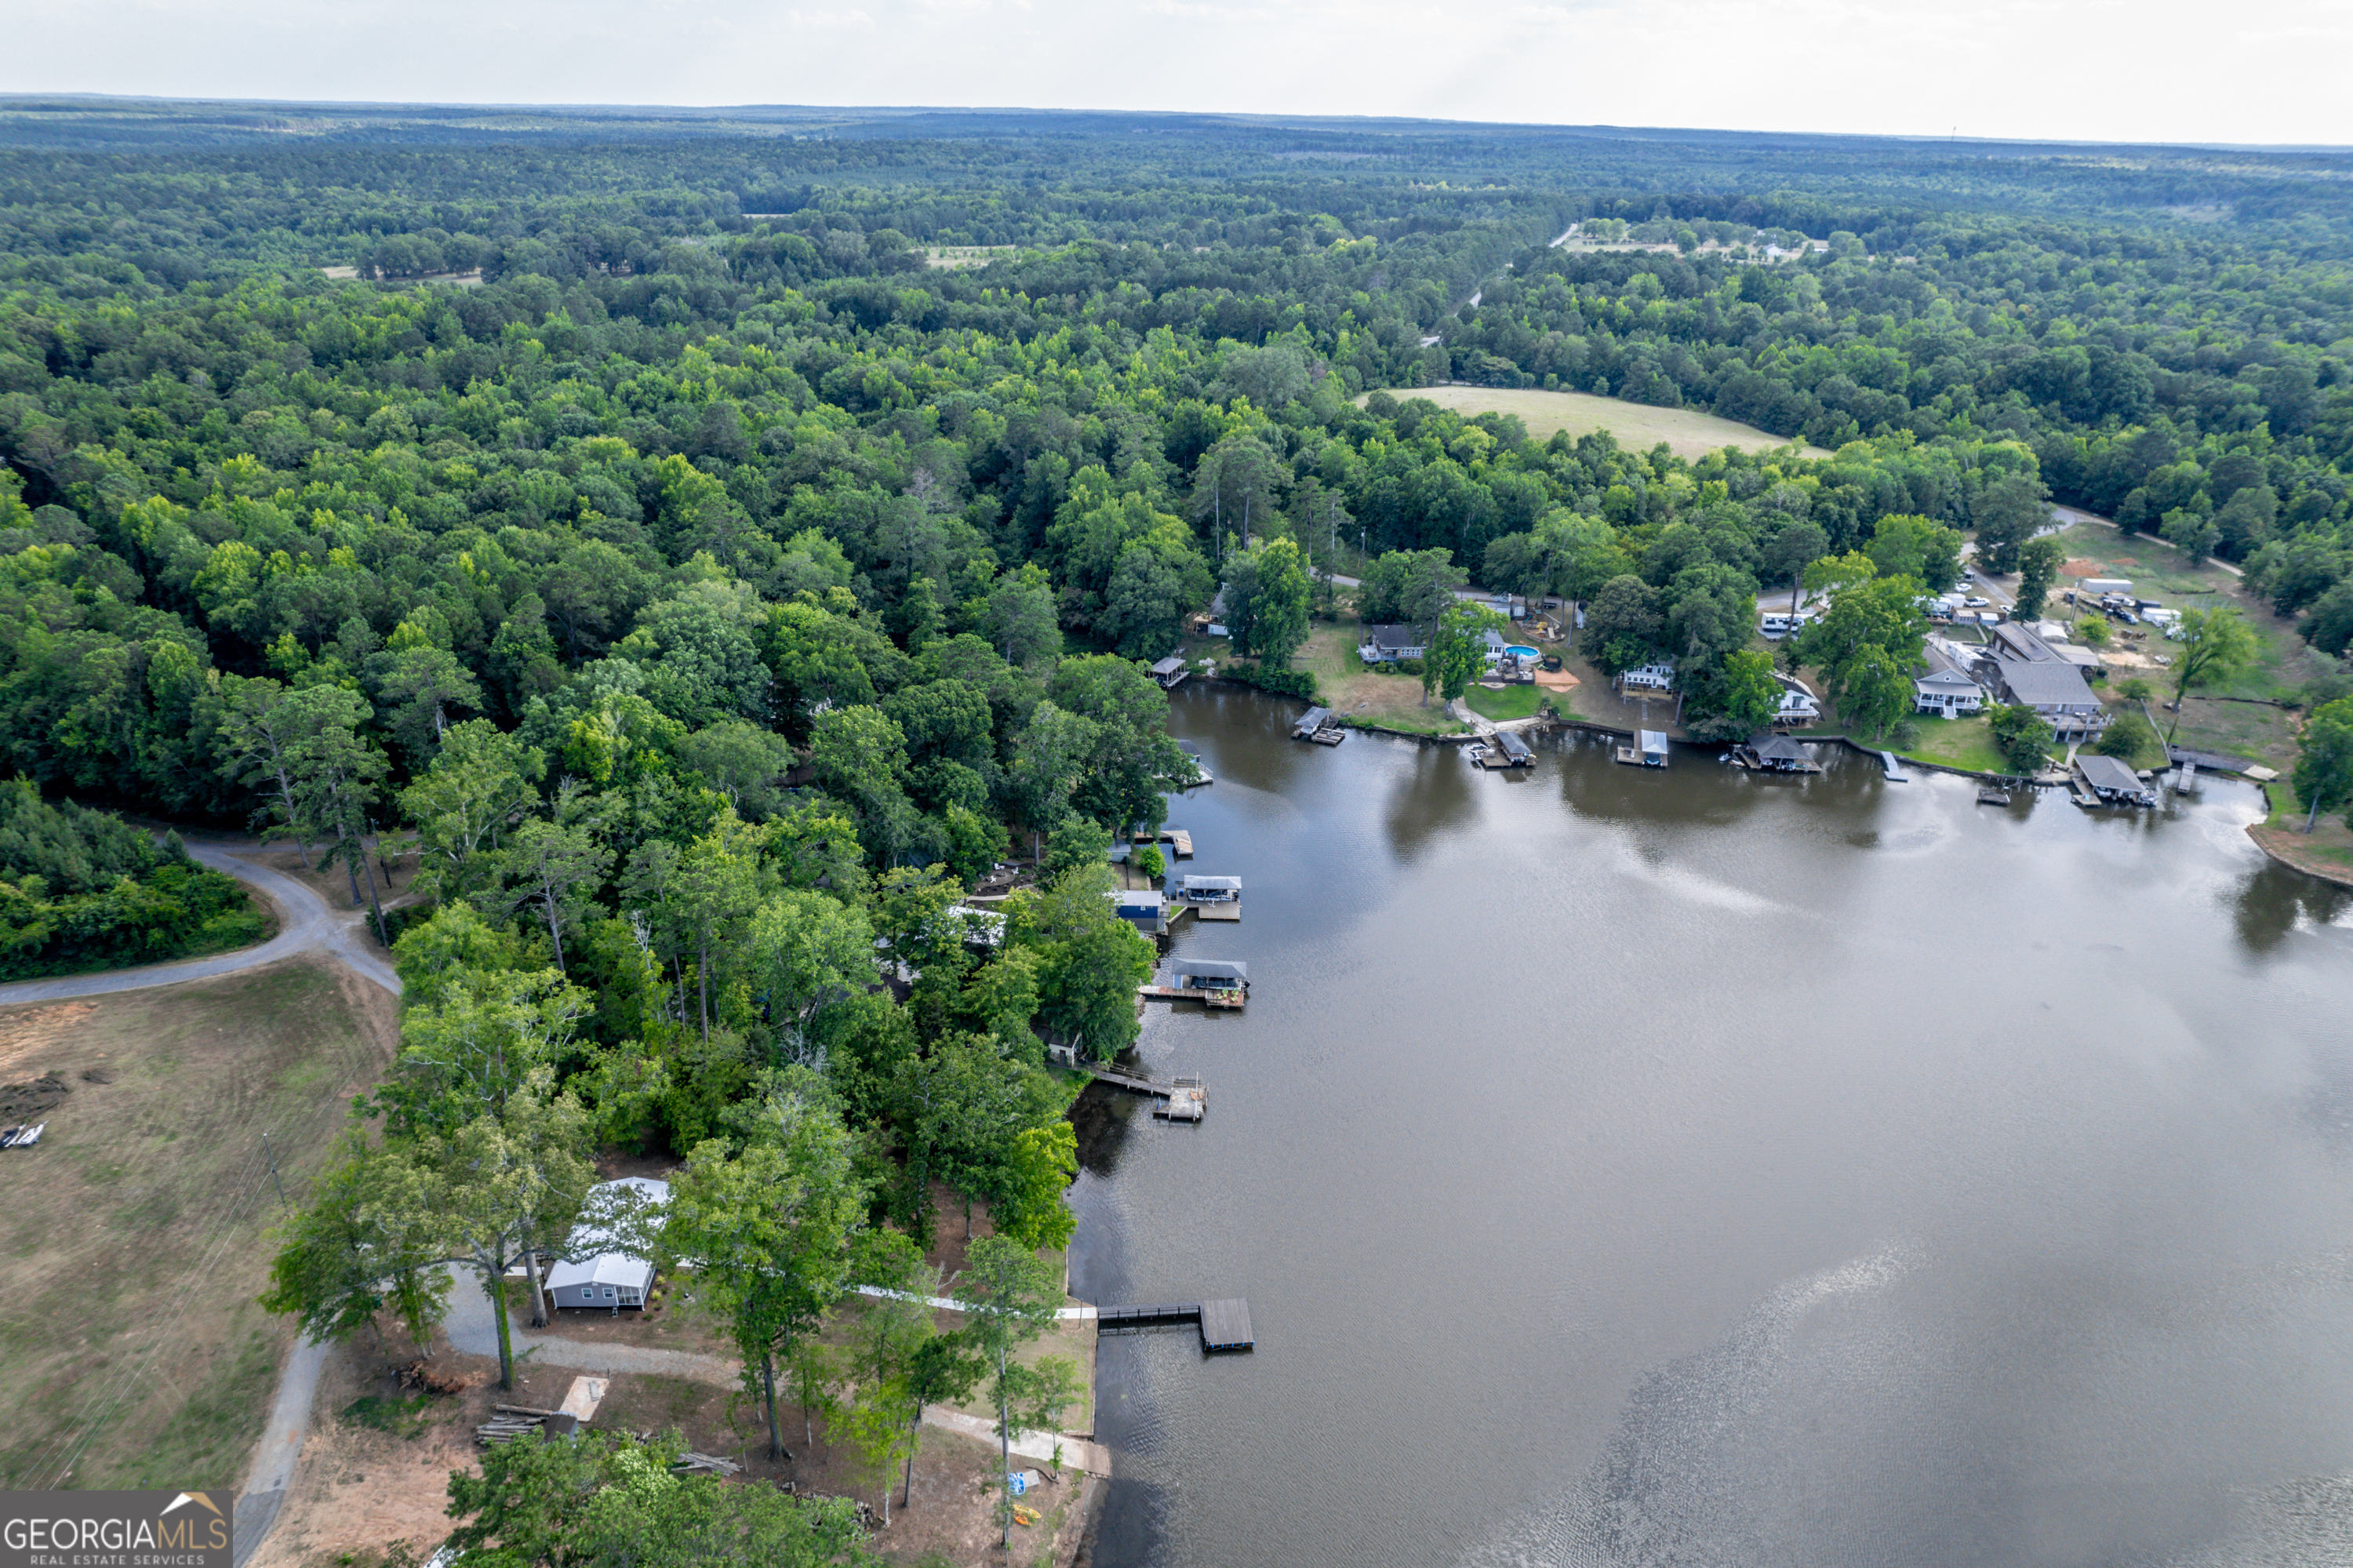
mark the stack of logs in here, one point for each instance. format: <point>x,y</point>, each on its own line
<point>509,1422</point>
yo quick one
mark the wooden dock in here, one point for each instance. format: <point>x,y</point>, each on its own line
<point>1183,1099</point>
<point>1223,1325</point>
<point>1992,795</point>
<point>1229,909</point>
<point>1177,839</point>
<point>1206,996</point>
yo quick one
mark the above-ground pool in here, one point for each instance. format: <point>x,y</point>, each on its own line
<point>1523,652</point>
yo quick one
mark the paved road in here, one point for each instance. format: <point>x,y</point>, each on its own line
<point>305,925</point>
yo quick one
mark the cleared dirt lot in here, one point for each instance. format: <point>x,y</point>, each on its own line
<point>132,1237</point>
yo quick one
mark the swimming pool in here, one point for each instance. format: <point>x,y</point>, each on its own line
<point>1523,652</point>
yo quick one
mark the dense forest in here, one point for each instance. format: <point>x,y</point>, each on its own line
<point>721,540</point>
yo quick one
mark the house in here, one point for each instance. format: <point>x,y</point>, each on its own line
<point>1212,974</point>
<point>2011,640</point>
<point>1658,676</point>
<point>598,1269</point>
<point>1169,671</point>
<point>2114,783</point>
<point>2051,687</point>
<point>1209,889</point>
<point>1492,646</point>
<point>1947,694</point>
<point>1385,644</point>
<point>1143,908</point>
<point>1797,704</point>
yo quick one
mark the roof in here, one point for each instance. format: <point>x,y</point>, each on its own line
<point>2106,773</point>
<point>1393,636</point>
<point>1139,899</point>
<point>2014,642</point>
<point>1312,719</point>
<point>1778,748</point>
<point>1514,746</point>
<point>599,1257</point>
<point>1652,739</point>
<point>2046,683</point>
<point>1168,666</point>
<point>1947,678</point>
<point>1215,882</point>
<point>1494,639</point>
<point>1212,969</point>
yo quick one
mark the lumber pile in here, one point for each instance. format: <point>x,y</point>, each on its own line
<point>691,1461</point>
<point>503,1427</point>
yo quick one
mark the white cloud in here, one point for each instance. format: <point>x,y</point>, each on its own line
<point>2104,69</point>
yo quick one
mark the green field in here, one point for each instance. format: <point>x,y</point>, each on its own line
<point>1637,426</point>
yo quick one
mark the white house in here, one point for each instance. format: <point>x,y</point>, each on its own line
<point>1658,677</point>
<point>1797,707</point>
<point>600,1274</point>
<point>1947,694</point>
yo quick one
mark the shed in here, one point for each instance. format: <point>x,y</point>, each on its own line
<point>599,1270</point>
<point>1653,742</point>
<point>1144,908</point>
<point>1168,671</point>
<point>1310,722</point>
<point>1212,974</point>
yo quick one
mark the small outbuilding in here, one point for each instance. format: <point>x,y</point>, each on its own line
<point>1653,745</point>
<point>1144,908</point>
<point>2113,782</point>
<point>1170,671</point>
<point>598,1269</point>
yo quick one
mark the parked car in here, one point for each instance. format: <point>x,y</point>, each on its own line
<point>1977,601</point>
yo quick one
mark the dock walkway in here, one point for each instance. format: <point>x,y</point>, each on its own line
<point>1223,1325</point>
<point>1176,839</point>
<point>1895,765</point>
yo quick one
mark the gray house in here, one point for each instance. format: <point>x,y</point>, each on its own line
<point>1385,644</point>
<point>2053,688</point>
<point>598,1273</point>
<point>1945,693</point>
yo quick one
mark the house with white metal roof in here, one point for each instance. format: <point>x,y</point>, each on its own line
<point>598,1270</point>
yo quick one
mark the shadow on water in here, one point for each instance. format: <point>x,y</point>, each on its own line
<point>2274,900</point>
<point>1432,794</point>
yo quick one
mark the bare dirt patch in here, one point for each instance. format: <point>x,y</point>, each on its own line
<point>332,882</point>
<point>1688,433</point>
<point>131,1238</point>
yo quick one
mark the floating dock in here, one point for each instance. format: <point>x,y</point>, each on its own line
<point>1894,767</point>
<point>1223,1325</point>
<point>1992,795</point>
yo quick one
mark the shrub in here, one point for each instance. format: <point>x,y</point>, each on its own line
<point>1289,682</point>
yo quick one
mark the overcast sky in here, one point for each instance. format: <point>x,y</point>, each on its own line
<point>2271,70</point>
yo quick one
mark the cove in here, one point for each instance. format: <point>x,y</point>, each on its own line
<point>1628,1166</point>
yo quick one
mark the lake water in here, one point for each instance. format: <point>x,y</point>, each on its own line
<point>1632,1168</point>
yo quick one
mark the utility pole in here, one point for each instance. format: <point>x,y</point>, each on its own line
<point>272,1155</point>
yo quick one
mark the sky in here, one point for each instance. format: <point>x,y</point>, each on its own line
<point>2166,70</point>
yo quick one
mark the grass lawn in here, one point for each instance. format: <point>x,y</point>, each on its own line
<point>1361,696</point>
<point>1956,743</point>
<point>134,1245</point>
<point>1511,703</point>
<point>1637,426</point>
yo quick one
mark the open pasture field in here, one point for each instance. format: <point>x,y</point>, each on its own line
<point>1688,433</point>
<point>132,1236</point>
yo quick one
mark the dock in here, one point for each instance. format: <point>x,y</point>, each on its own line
<point>1182,1099</point>
<point>1177,839</point>
<point>1895,765</point>
<point>1992,795</point>
<point>1206,997</point>
<point>1223,1325</point>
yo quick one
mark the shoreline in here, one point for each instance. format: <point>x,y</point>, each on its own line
<point>2282,852</point>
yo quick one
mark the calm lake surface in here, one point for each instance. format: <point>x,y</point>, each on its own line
<point>1626,1167</point>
